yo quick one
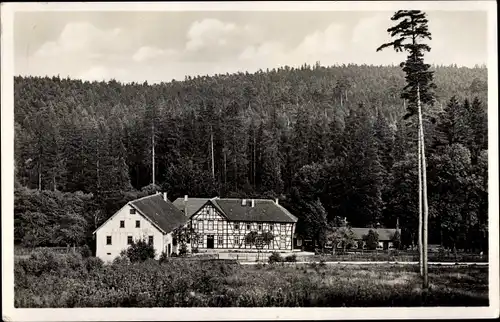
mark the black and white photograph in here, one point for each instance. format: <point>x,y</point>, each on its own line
<point>323,159</point>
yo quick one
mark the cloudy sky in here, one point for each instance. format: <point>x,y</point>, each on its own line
<point>161,46</point>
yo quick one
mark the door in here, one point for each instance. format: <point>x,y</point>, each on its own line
<point>210,241</point>
<point>169,250</point>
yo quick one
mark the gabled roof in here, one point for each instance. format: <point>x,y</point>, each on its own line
<point>384,234</point>
<point>193,204</point>
<point>264,210</point>
<point>160,212</point>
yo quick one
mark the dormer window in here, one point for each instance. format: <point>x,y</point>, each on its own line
<point>132,211</point>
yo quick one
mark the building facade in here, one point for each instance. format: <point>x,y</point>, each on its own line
<point>223,224</point>
<point>152,218</point>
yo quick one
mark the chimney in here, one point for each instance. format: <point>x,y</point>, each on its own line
<point>277,201</point>
<point>253,203</point>
<point>185,205</point>
<point>185,198</point>
<point>243,202</point>
<point>397,223</point>
<point>165,196</point>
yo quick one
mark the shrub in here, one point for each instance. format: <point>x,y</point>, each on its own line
<point>174,254</point>
<point>195,251</point>
<point>163,257</point>
<point>275,258</point>
<point>291,258</point>
<point>371,239</point>
<point>140,250</point>
<point>322,262</point>
<point>183,250</point>
<point>85,251</point>
<point>93,263</point>
<point>122,258</point>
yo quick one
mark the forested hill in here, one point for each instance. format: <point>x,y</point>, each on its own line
<point>329,141</point>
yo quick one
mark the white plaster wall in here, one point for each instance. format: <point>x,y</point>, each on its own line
<point>119,235</point>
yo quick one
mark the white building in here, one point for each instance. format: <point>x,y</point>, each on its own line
<point>152,218</point>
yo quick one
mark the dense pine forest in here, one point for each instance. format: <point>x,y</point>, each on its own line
<point>330,142</point>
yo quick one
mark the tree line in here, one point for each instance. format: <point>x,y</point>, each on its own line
<point>328,141</point>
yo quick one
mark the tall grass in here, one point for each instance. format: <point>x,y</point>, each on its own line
<point>53,280</point>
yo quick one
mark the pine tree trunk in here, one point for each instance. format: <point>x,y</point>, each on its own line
<point>39,176</point>
<point>254,160</point>
<point>153,151</point>
<point>424,195</point>
<point>212,152</point>
<point>225,171</point>
<point>420,249</point>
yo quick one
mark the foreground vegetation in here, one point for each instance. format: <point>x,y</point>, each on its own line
<point>47,279</point>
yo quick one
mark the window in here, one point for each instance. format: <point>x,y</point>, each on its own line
<point>200,240</point>
<point>210,225</point>
<point>150,240</point>
<point>137,224</point>
<point>129,240</point>
<point>236,227</point>
<point>220,241</point>
<point>270,227</point>
<point>200,225</point>
<point>248,226</point>
<point>219,225</point>
<point>122,223</point>
<point>108,253</point>
<point>236,240</point>
<point>260,227</point>
<point>132,211</point>
<point>108,240</point>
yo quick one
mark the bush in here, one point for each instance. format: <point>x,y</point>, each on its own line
<point>174,254</point>
<point>163,257</point>
<point>291,258</point>
<point>183,250</point>
<point>275,258</point>
<point>93,263</point>
<point>371,239</point>
<point>140,251</point>
<point>85,251</point>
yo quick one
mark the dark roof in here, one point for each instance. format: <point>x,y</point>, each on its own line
<point>162,213</point>
<point>193,204</point>
<point>384,234</point>
<point>264,210</point>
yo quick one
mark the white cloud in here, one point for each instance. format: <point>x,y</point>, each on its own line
<point>81,38</point>
<point>208,32</point>
<point>148,53</point>
<point>318,45</point>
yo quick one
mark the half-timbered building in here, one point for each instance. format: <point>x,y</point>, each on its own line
<point>223,224</point>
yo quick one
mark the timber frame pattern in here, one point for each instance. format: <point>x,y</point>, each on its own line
<point>216,231</point>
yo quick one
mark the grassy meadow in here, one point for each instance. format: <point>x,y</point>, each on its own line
<point>47,279</point>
